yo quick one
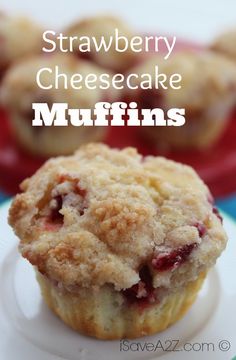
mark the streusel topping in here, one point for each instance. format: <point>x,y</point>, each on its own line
<point>20,89</point>
<point>206,77</point>
<point>20,37</point>
<point>104,26</point>
<point>102,215</point>
<point>225,44</point>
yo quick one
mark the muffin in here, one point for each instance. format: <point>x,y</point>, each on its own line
<point>20,90</point>
<point>225,44</point>
<point>207,93</point>
<point>121,244</point>
<point>104,26</point>
<point>20,38</point>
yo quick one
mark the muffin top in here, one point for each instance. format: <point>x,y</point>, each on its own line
<point>20,89</point>
<point>206,78</point>
<point>104,26</point>
<point>225,44</point>
<point>19,38</point>
<point>102,215</point>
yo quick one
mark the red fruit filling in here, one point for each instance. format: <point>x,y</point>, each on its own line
<point>215,211</point>
<point>201,229</point>
<point>75,197</point>
<point>55,216</point>
<point>85,55</point>
<point>150,99</point>
<point>142,293</point>
<point>210,199</point>
<point>77,189</point>
<point>52,227</point>
<point>3,63</point>
<point>174,259</point>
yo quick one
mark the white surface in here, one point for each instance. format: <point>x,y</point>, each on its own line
<point>196,20</point>
<point>30,331</point>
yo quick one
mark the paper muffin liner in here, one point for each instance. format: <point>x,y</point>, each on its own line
<point>103,313</point>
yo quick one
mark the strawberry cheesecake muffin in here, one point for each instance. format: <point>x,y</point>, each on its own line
<point>19,38</point>
<point>207,93</point>
<point>121,244</point>
<point>225,44</point>
<point>20,90</point>
<point>104,26</point>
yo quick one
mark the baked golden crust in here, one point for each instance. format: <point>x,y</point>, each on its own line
<point>104,26</point>
<point>99,216</point>
<point>225,44</point>
<point>207,93</point>
<point>20,38</point>
<point>19,90</point>
<point>207,77</point>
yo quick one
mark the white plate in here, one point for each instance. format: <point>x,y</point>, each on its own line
<point>30,331</point>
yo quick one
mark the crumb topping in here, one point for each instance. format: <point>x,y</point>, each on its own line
<point>224,44</point>
<point>20,89</point>
<point>206,77</point>
<point>12,31</point>
<point>103,215</point>
<point>104,26</point>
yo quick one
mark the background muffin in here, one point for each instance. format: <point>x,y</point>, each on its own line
<point>20,38</point>
<point>20,90</point>
<point>208,93</point>
<point>226,44</point>
<point>121,243</point>
<point>104,26</point>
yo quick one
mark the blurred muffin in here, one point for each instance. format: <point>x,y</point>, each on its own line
<point>120,243</point>
<point>20,90</point>
<point>104,26</point>
<point>226,44</point>
<point>19,37</point>
<point>208,92</point>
